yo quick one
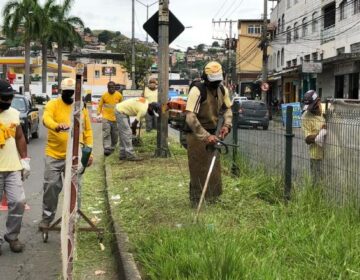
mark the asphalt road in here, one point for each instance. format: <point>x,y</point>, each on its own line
<point>40,261</point>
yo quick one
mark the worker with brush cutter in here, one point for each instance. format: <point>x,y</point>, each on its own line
<point>208,100</point>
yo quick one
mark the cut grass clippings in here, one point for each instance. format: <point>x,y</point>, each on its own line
<point>249,234</point>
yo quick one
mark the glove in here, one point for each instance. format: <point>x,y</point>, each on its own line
<point>25,163</point>
<point>134,127</point>
<point>320,138</point>
<point>211,140</point>
<point>99,117</point>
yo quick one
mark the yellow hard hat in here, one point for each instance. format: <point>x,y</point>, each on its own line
<point>68,84</point>
<point>213,71</point>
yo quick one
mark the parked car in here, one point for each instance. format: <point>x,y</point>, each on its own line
<point>239,99</point>
<point>29,116</point>
<point>253,113</point>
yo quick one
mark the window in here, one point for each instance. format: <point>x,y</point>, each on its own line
<point>279,26</point>
<point>288,4</point>
<point>296,31</point>
<point>304,27</point>
<point>283,23</point>
<point>97,74</point>
<point>294,62</point>
<point>355,48</point>
<point>356,6</point>
<point>282,56</point>
<point>342,9</point>
<point>329,15</point>
<point>315,56</point>
<point>278,59</point>
<point>307,58</point>
<point>288,34</point>
<point>254,29</point>
<point>314,22</point>
<point>340,51</point>
<point>288,63</point>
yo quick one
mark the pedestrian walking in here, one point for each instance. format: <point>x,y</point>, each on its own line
<point>313,125</point>
<point>57,119</point>
<point>151,95</point>
<point>106,109</point>
<point>14,166</point>
<point>133,107</point>
<point>207,102</point>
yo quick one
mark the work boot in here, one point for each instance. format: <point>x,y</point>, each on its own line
<point>15,245</point>
<point>107,152</point>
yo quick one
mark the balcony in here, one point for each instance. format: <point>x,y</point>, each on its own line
<point>328,34</point>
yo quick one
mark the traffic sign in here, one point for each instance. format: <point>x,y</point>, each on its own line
<point>152,27</point>
<point>265,86</point>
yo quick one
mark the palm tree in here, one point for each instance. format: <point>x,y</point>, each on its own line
<point>22,16</point>
<point>65,34</point>
<point>47,12</point>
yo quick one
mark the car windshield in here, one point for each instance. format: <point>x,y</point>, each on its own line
<point>19,104</point>
<point>253,105</point>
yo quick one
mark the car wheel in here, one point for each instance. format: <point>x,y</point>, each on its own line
<point>27,134</point>
<point>265,127</point>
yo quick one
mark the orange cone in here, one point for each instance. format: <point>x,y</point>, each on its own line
<point>4,205</point>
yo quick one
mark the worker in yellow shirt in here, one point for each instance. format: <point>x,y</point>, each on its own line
<point>151,95</point>
<point>313,125</point>
<point>107,109</point>
<point>14,166</point>
<point>57,119</point>
<point>133,107</point>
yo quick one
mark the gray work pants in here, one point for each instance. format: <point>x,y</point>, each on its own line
<point>11,184</point>
<point>125,134</point>
<point>151,122</point>
<point>110,134</point>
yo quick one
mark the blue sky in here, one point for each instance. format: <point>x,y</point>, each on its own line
<point>116,15</point>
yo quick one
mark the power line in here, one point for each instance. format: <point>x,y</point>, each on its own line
<point>222,6</point>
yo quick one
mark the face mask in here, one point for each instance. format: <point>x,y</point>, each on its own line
<point>67,98</point>
<point>214,85</point>
<point>4,105</point>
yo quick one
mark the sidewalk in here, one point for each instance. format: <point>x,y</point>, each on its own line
<point>248,234</point>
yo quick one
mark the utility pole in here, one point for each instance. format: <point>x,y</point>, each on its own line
<point>147,6</point>
<point>162,149</point>
<point>265,55</point>
<point>229,56</point>
<point>133,84</point>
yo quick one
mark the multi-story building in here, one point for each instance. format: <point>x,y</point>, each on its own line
<point>316,45</point>
<point>248,55</point>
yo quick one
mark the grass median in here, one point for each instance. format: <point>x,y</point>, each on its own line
<point>248,234</point>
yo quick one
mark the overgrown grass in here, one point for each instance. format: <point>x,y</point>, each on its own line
<point>249,234</point>
<point>89,256</point>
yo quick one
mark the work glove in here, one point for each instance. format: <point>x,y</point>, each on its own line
<point>211,140</point>
<point>134,127</point>
<point>320,138</point>
<point>25,163</point>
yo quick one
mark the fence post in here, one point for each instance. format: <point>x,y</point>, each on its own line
<point>235,170</point>
<point>288,151</point>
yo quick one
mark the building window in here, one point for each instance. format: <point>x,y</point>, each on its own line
<point>304,27</point>
<point>278,59</point>
<point>340,51</point>
<point>315,56</point>
<point>97,74</point>
<point>307,58</point>
<point>288,4</point>
<point>288,63</point>
<point>279,26</point>
<point>342,9</point>
<point>294,62</point>
<point>254,29</point>
<point>314,24</point>
<point>283,23</point>
<point>329,15</point>
<point>356,6</point>
<point>355,48</point>
<point>288,34</point>
<point>296,31</point>
<point>282,56</point>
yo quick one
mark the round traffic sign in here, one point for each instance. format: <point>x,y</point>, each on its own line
<point>264,86</point>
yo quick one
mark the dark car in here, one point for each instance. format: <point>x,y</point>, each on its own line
<point>253,113</point>
<point>29,116</point>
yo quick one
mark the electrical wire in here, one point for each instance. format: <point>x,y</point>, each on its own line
<point>222,6</point>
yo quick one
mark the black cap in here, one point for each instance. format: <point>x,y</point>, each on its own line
<point>5,89</point>
<point>155,107</point>
<point>310,99</point>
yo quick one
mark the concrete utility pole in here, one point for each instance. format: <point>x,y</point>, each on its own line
<point>133,84</point>
<point>265,55</point>
<point>147,6</point>
<point>162,149</point>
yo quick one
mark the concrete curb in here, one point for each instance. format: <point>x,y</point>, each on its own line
<point>126,264</point>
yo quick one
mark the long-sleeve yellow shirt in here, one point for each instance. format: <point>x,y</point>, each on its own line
<point>107,105</point>
<point>57,112</point>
